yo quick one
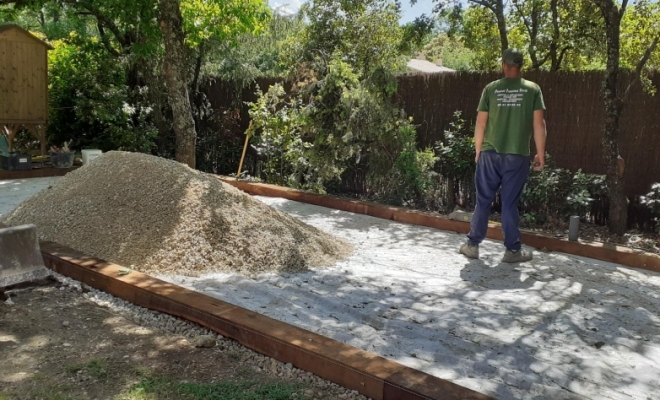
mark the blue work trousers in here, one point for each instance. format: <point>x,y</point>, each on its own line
<point>495,170</point>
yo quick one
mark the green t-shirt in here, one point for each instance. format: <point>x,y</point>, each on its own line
<point>510,104</point>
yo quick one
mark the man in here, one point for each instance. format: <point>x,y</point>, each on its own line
<point>510,111</point>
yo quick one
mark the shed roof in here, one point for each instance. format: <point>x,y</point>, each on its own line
<point>426,67</point>
<point>6,27</point>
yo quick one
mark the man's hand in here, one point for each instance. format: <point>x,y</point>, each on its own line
<point>539,162</point>
<point>476,159</point>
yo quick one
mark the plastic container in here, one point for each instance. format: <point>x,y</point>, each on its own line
<point>89,154</point>
<point>62,160</point>
<point>16,162</point>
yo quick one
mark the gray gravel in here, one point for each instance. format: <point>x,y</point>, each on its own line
<point>161,217</point>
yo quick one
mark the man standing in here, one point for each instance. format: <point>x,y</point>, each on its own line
<point>510,111</point>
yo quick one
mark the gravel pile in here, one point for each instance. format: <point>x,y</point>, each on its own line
<point>159,216</point>
<point>196,333</point>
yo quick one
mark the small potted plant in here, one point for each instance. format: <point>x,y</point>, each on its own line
<point>62,157</point>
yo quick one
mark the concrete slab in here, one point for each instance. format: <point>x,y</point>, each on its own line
<point>20,256</point>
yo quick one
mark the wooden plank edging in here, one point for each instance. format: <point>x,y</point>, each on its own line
<point>35,173</point>
<point>599,251</point>
<point>371,375</point>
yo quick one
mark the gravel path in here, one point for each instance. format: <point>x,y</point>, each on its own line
<point>14,192</point>
<point>560,327</point>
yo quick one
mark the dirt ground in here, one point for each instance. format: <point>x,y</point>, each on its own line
<point>56,345</point>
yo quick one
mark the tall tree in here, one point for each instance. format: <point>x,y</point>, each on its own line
<point>497,7</point>
<point>127,27</point>
<point>176,75</point>
<point>498,10</point>
<point>612,14</point>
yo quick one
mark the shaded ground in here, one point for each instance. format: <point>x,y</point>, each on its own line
<point>56,345</point>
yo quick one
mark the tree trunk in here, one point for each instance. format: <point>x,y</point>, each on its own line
<point>497,7</point>
<point>554,45</point>
<point>171,25</point>
<point>501,24</point>
<point>618,213</point>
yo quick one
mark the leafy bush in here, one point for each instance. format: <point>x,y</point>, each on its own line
<point>652,202</point>
<point>456,153</point>
<point>558,193</point>
<point>90,102</point>
<point>276,131</point>
<point>309,138</point>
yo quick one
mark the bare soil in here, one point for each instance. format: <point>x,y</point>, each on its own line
<point>56,345</point>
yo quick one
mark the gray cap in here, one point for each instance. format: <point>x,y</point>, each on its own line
<point>512,57</point>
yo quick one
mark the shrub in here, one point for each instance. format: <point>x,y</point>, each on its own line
<point>652,202</point>
<point>556,192</point>
<point>90,102</point>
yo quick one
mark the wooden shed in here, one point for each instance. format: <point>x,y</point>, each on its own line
<point>23,83</point>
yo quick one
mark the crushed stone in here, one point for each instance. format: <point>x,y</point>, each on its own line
<point>160,216</point>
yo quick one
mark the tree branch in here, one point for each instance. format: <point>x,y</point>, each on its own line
<point>198,68</point>
<point>486,4</point>
<point>103,19</point>
<point>561,56</point>
<point>622,11</point>
<point>640,68</point>
<point>106,41</point>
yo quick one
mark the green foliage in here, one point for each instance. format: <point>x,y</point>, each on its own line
<point>408,180</point>
<point>558,193</point>
<point>639,26</point>
<point>456,153</point>
<point>224,20</point>
<point>276,132</point>
<point>415,34</point>
<point>167,388</point>
<point>652,202</point>
<point>451,51</point>
<point>479,34</point>
<point>365,34</point>
<point>339,113</point>
<point>90,102</point>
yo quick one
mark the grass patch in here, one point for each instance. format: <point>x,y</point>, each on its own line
<point>74,369</point>
<point>45,392</point>
<point>162,388</point>
<point>95,368</point>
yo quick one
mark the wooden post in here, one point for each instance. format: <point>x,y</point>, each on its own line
<point>245,146</point>
<point>11,132</point>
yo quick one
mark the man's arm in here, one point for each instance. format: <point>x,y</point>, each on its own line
<point>540,135</point>
<point>480,132</point>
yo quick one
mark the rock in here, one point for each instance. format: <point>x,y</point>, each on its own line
<point>65,323</point>
<point>205,341</point>
<point>9,302</point>
<point>459,215</point>
<point>598,345</point>
<point>288,366</point>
